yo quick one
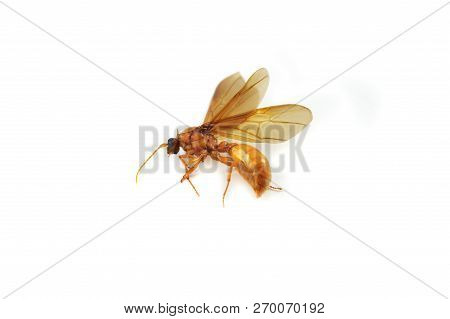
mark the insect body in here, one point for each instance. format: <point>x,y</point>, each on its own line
<point>233,116</point>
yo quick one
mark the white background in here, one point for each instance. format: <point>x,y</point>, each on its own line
<point>378,150</point>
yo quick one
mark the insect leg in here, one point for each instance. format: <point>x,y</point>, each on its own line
<point>230,163</point>
<point>194,166</point>
<point>186,167</point>
<point>230,170</point>
<point>223,159</point>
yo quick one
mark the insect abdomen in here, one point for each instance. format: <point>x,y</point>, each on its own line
<point>253,166</point>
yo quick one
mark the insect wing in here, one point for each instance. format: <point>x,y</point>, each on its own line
<point>244,101</point>
<point>225,91</point>
<point>273,124</point>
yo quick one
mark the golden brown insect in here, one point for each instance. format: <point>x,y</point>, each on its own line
<point>232,115</point>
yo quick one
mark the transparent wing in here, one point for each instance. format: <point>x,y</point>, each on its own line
<point>225,91</point>
<point>273,124</point>
<point>244,101</point>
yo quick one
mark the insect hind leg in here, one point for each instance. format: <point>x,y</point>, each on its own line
<point>230,170</point>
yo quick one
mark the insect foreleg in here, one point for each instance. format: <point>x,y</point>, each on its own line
<point>194,166</point>
<point>186,167</point>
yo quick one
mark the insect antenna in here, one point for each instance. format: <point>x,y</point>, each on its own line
<point>148,158</point>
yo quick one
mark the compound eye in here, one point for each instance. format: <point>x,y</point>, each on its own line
<point>173,146</point>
